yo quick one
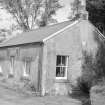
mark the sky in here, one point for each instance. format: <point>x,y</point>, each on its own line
<point>61,15</point>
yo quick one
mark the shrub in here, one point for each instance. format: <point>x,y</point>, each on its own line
<point>100,62</point>
<point>93,69</point>
<point>86,80</point>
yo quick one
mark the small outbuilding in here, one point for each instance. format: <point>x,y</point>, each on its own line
<point>50,57</point>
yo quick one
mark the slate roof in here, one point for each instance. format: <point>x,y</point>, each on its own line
<point>36,35</point>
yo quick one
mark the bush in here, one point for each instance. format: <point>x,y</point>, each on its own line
<point>88,76</point>
<point>93,69</point>
<point>83,86</point>
<point>100,62</point>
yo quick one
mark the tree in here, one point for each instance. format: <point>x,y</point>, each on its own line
<point>93,69</point>
<point>50,8</point>
<point>4,33</point>
<point>96,9</point>
<point>26,12</point>
<point>75,8</point>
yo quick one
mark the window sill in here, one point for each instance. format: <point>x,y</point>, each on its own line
<point>63,80</point>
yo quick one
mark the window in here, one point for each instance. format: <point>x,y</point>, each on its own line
<point>27,68</point>
<point>12,64</point>
<point>61,67</point>
<point>1,71</point>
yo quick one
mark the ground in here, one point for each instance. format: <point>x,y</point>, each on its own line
<point>9,97</point>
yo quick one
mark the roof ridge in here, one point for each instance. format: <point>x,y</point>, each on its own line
<point>38,35</point>
<point>61,30</point>
<point>48,26</point>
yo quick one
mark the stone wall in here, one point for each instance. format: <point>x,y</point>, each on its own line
<point>70,42</point>
<point>67,43</point>
<point>21,54</point>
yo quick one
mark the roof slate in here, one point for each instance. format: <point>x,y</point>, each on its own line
<point>36,35</point>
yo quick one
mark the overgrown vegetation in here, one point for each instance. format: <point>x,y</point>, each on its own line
<point>86,80</point>
<point>93,73</point>
<point>75,8</point>
<point>93,69</point>
<point>97,17</point>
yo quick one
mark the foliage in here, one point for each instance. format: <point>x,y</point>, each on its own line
<point>96,10</point>
<point>50,8</point>
<point>93,69</point>
<point>100,61</point>
<point>85,81</point>
<point>75,8</point>
<point>26,12</point>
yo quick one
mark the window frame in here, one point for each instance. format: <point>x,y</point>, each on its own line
<point>25,74</point>
<point>12,61</point>
<point>66,66</point>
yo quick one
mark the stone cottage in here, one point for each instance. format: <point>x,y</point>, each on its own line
<point>50,57</point>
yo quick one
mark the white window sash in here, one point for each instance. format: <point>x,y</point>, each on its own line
<point>1,71</point>
<point>66,68</point>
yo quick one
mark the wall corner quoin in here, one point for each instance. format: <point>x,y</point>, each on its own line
<point>43,74</point>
